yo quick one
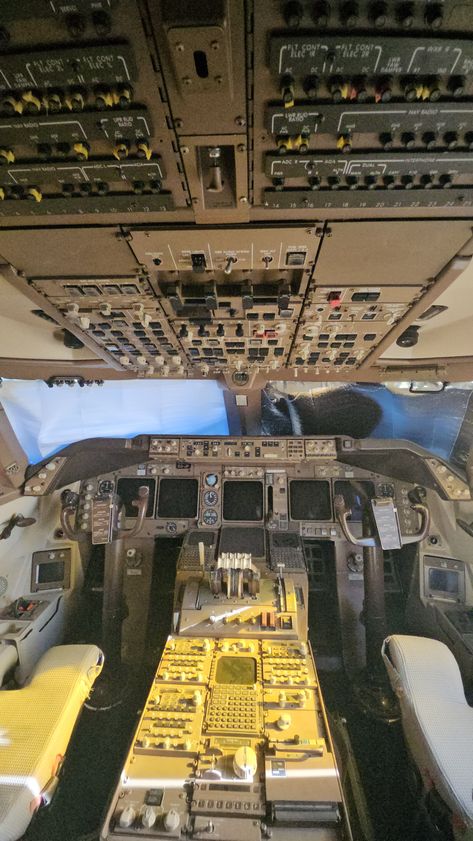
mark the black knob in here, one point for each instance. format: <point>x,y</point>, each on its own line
<point>386,140</point>
<point>67,189</point>
<point>183,332</point>
<point>278,183</point>
<point>469,139</point>
<point>359,85</point>
<point>405,15</point>
<point>445,181</point>
<point>102,23</point>
<point>239,330</point>
<point>63,149</point>
<point>451,139</point>
<point>293,13</point>
<point>408,139</point>
<point>310,86</point>
<point>321,14</point>
<point>378,14</point>
<point>429,139</point>
<point>407,182</point>
<point>45,150</point>
<point>409,87</point>
<point>349,14</point>
<point>334,182</point>
<point>456,86</point>
<point>287,90</point>
<point>102,188</point>
<point>352,182</point>
<point>433,15</point>
<point>388,182</point>
<point>384,91</point>
<point>303,145</point>
<point>75,25</point>
<point>426,181</point>
<point>138,186</point>
<point>314,182</point>
<point>220,330</point>
<point>434,90</point>
<point>370,182</point>
<point>336,89</point>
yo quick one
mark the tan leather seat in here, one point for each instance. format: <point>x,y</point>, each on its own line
<point>36,723</point>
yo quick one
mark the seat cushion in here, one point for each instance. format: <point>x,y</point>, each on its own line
<point>36,723</point>
<point>437,721</point>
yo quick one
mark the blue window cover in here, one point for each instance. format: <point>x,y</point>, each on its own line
<point>47,419</point>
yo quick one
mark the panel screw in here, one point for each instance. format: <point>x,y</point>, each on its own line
<point>195,201</point>
<point>214,45</point>
<point>219,80</point>
<point>240,121</point>
<point>179,47</point>
<point>187,80</point>
<point>243,200</point>
<point>241,147</point>
<point>184,150</point>
<point>178,123</point>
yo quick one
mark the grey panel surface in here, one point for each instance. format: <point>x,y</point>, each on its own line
<point>395,252</point>
<point>56,252</point>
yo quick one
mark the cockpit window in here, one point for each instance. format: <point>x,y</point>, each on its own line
<point>441,421</point>
<point>47,419</point>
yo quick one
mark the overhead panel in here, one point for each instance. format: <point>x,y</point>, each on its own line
<point>360,101</point>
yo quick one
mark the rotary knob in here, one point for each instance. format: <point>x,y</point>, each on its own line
<point>172,820</point>
<point>245,763</point>
<point>148,817</point>
<point>127,817</point>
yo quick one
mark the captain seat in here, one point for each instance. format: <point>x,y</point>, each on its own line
<point>436,718</point>
<point>36,724</point>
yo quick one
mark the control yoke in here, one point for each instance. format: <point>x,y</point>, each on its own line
<point>141,504</point>
<point>70,501</point>
<point>387,524</point>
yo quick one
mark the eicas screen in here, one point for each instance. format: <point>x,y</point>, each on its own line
<point>243,501</point>
<point>310,500</point>
<point>178,498</point>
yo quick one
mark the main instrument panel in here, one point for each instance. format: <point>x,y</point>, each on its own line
<point>260,484</point>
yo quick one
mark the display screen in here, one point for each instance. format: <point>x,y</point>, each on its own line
<point>243,501</point>
<point>51,572</point>
<point>236,670</point>
<point>310,500</point>
<point>127,490</point>
<point>356,494</point>
<point>178,498</point>
<point>444,581</point>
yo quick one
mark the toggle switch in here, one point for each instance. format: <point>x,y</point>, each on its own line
<point>229,264</point>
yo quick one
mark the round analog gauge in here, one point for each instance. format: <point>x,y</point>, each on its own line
<point>210,516</point>
<point>210,498</point>
<point>106,486</point>
<point>211,480</point>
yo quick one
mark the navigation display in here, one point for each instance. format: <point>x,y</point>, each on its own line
<point>178,498</point>
<point>310,500</point>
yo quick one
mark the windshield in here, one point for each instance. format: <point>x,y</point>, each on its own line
<point>441,421</point>
<point>47,419</point>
